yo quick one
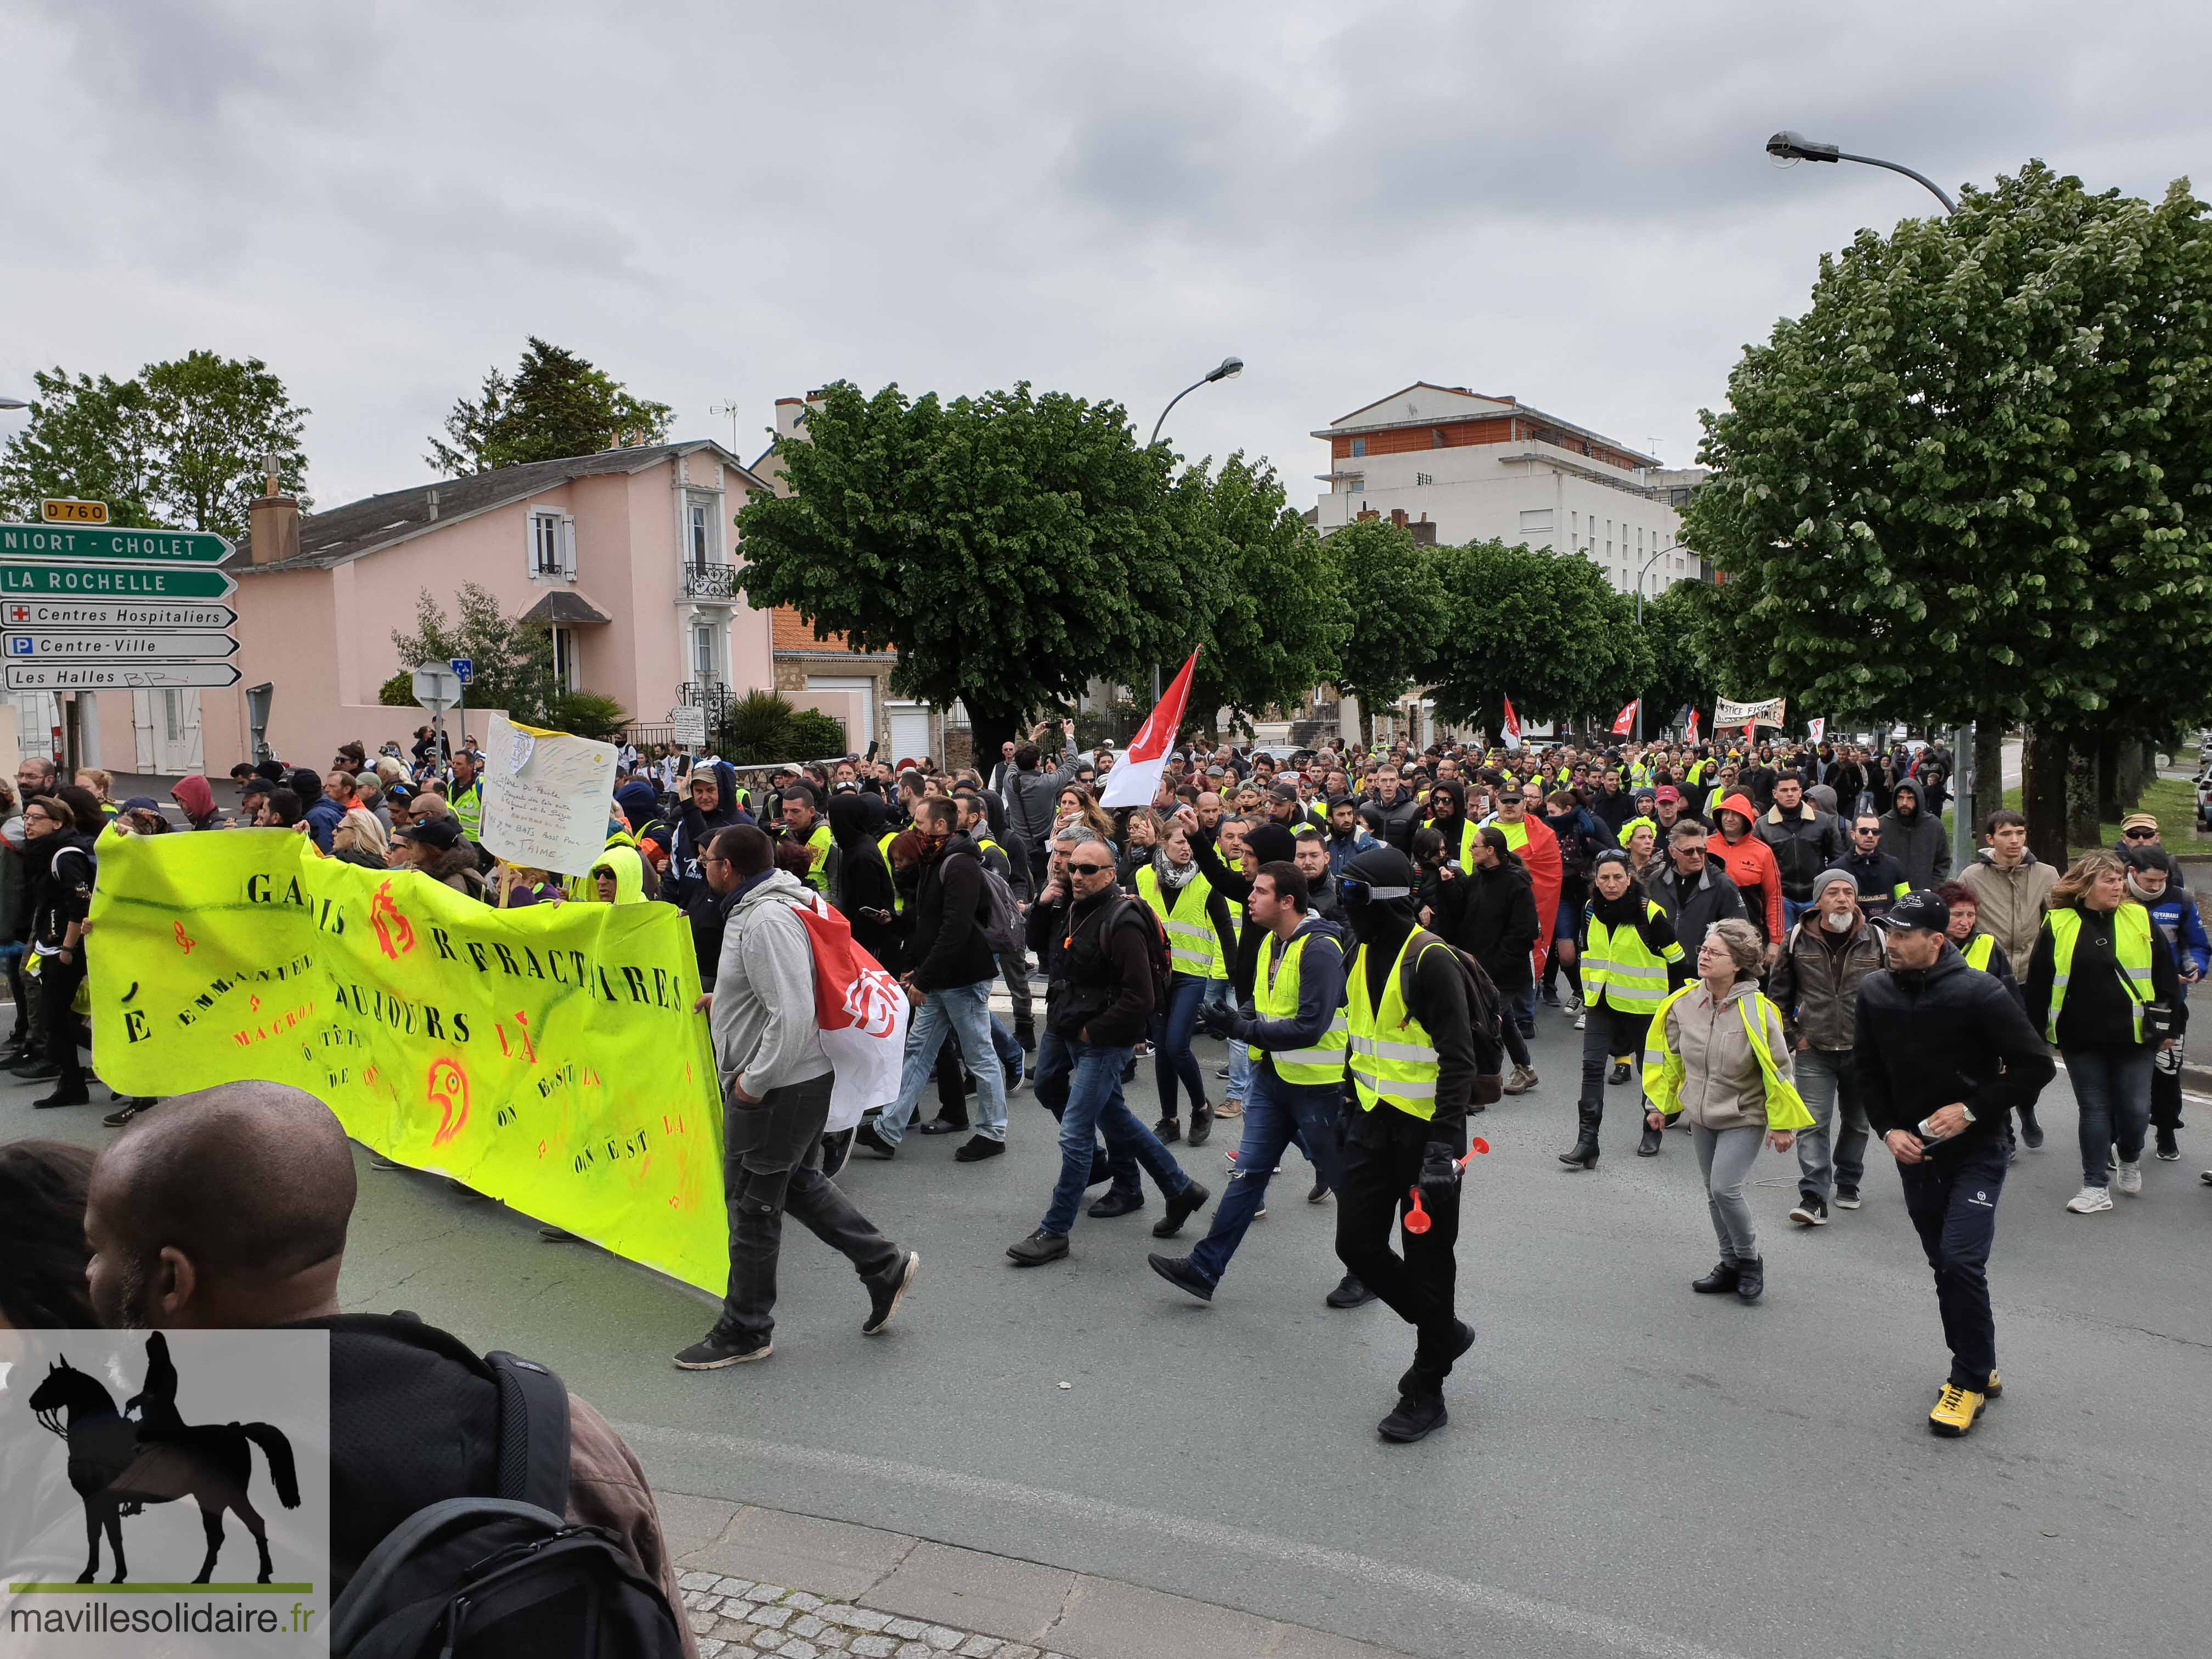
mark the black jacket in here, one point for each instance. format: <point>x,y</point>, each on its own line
<point>1804,842</point>
<point>1491,916</point>
<point>1098,966</point>
<point>1713,897</point>
<point>1467,1061</point>
<point>63,872</point>
<point>2098,1011</point>
<point>949,946</point>
<point>1878,875</point>
<point>1923,1039</point>
<point>1400,819</point>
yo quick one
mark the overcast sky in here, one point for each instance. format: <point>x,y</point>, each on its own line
<point>729,203</point>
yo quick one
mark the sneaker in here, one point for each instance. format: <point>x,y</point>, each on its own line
<point>2089,1200</point>
<point>2112,1158</point>
<point>1412,1418</point>
<point>1996,1388</point>
<point>1581,1019</point>
<point>2130,1179</point>
<point>883,1297</point>
<point>1349,1293</point>
<point>1573,1006</point>
<point>1039,1247</point>
<point>1201,1126</point>
<point>1620,1071</point>
<point>1020,1076</point>
<point>1320,1193</point>
<point>1523,1080</point>
<point>2169,1150</point>
<point>977,1150</point>
<point>1183,1206</point>
<point>1847,1198</point>
<point>1178,1272</point>
<point>2030,1132</point>
<point>131,1109</point>
<point>1810,1211</point>
<point>1109,1205</point>
<point>1167,1131</point>
<point>1956,1408</point>
<point>723,1345</point>
<point>865,1139</point>
<point>1221,1072</point>
<point>939,1125</point>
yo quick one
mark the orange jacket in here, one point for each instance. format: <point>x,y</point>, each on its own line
<point>1751,866</point>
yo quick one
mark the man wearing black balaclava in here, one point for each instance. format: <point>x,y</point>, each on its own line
<point>1418,1061</point>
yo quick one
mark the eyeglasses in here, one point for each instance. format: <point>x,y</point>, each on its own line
<point>1086,869</point>
<point>2140,834</point>
<point>1866,830</point>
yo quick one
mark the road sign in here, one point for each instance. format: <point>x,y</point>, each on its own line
<point>118,676</point>
<point>73,512</point>
<point>437,688</point>
<point>689,727</point>
<point>466,668</point>
<point>120,646</point>
<point>113,581</point>
<point>133,546</point>
<point>114,613</point>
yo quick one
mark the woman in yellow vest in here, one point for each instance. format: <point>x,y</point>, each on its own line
<point>1979,949</point>
<point>1717,1052</point>
<point>2101,987</point>
<point>1201,946</point>
<point>1630,960</point>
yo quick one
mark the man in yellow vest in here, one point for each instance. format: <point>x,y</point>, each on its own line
<point>467,796</point>
<point>1417,1060</point>
<point>1294,1017</point>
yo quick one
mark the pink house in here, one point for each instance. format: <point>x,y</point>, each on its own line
<point>625,554</point>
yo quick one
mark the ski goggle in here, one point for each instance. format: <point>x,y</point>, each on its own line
<point>1352,890</point>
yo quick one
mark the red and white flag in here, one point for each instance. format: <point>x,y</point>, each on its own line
<point>1136,779</point>
<point>862,1013</point>
<point>1512,732</point>
<point>1819,729</point>
<point>1624,723</point>
<point>1690,731</point>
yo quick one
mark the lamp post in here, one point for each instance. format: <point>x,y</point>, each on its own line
<point>1656,553</point>
<point>1795,147</point>
<point>13,403</point>
<point>1227,369</point>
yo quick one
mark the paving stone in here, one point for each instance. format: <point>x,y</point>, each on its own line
<point>700,1620</point>
<point>916,1651</point>
<point>806,1625</point>
<point>866,1619</point>
<point>942,1639</point>
<point>1017,1651</point>
<point>833,1640</point>
<point>691,1523</point>
<point>774,1618</point>
<point>872,1647</point>
<point>798,1649</point>
<point>979,1647</point>
<point>907,1630</point>
<point>968,1590</point>
<point>732,1629</point>
<point>696,1581</point>
<point>803,1601</point>
<point>709,1648</point>
<point>732,1586</point>
<point>766,1593</point>
<point>706,1601</point>
<point>838,1612</point>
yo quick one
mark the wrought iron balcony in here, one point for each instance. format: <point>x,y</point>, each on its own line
<point>712,695</point>
<point>710,581</point>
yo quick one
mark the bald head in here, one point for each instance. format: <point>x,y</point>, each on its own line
<point>227,1208</point>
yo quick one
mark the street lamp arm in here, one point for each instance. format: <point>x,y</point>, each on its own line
<point>1935,189</point>
<point>1170,409</point>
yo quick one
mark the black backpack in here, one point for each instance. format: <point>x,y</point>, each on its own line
<point>1156,946</point>
<point>507,1575</point>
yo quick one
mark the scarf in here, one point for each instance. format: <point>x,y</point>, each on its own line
<point>1173,876</point>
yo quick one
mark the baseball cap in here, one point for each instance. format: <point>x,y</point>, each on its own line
<point>1283,792</point>
<point>1668,792</point>
<point>440,832</point>
<point>1923,909</point>
<point>2138,821</point>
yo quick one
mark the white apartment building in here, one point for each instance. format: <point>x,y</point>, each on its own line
<point>1457,466</point>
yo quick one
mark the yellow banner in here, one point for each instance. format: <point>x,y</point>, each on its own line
<point>548,1056</point>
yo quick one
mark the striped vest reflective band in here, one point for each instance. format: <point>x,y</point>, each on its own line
<point>1275,993</point>
<point>2130,944</point>
<point>1625,970</point>
<point>1194,948</point>
<point>817,870</point>
<point>883,846</point>
<point>468,807</point>
<point>1393,1060</point>
<point>1977,952</point>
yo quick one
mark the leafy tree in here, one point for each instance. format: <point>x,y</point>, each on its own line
<point>184,443</point>
<point>1281,618</point>
<point>1675,627</point>
<point>764,726</point>
<point>1974,481</point>
<point>512,660</point>
<point>1545,628</point>
<point>585,715</point>
<point>1011,548</point>
<point>556,406</point>
<point>1395,618</point>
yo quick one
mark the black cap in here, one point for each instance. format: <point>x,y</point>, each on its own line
<point>1924,909</point>
<point>438,831</point>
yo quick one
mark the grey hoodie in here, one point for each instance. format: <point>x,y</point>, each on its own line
<point>765,1032</point>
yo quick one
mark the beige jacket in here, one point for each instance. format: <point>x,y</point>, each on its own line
<point>1722,1087</point>
<point>2011,904</point>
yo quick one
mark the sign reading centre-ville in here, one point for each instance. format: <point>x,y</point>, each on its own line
<point>132,546</point>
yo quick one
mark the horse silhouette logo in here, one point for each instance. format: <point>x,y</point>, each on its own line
<point>119,1463</point>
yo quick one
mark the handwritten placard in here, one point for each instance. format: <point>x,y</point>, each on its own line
<point>545,797</point>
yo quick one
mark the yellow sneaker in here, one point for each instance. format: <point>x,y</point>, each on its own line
<point>1996,1388</point>
<point>1956,1408</point>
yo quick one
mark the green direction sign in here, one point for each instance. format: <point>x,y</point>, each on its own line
<point>55,580</point>
<point>52,541</point>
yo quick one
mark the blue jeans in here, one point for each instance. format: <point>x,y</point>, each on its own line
<point>2112,1083</point>
<point>967,1009</point>
<point>1055,1070</point>
<point>1952,1201</point>
<point>1095,1104</point>
<point>1827,1078</point>
<point>1791,909</point>
<point>1276,1114</point>
<point>1171,1031</point>
<point>1520,1007</point>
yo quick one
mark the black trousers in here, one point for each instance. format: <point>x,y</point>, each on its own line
<point>1952,1201</point>
<point>57,983</point>
<point>772,1165</point>
<point>1383,1152</point>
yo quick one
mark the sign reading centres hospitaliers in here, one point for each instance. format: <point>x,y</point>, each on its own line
<point>545,797</point>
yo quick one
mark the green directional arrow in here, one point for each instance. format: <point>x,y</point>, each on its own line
<point>115,582</point>
<point>51,541</point>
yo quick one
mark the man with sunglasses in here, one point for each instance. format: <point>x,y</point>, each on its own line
<point>1879,877</point>
<point>2141,829</point>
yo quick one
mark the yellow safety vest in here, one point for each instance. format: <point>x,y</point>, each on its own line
<point>468,807</point>
<point>817,872</point>
<point>1663,1068</point>
<point>1464,853</point>
<point>2130,944</point>
<point>1194,948</point>
<point>1392,1057</point>
<point>1275,993</point>
<point>1977,952</point>
<point>1618,961</point>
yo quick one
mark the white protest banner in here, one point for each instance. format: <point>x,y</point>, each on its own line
<point>688,726</point>
<point>1819,729</point>
<point>545,796</point>
<point>1768,713</point>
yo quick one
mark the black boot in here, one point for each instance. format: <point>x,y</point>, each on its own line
<point>1723,1278</point>
<point>1750,1279</point>
<point>1584,1154</point>
<point>1649,1146</point>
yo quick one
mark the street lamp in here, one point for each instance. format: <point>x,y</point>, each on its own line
<point>1656,553</point>
<point>1228,369</point>
<point>1795,147</point>
<point>13,403</point>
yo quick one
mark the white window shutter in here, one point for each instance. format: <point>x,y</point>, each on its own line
<point>568,546</point>
<point>530,545</point>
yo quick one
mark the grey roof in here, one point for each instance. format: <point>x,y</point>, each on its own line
<point>564,606</point>
<point>328,539</point>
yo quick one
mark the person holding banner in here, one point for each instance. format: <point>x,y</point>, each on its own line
<point>777,1078</point>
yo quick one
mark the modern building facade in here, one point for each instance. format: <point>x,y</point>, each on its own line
<point>1457,466</point>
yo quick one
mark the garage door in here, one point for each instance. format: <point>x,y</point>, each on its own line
<point>909,730</point>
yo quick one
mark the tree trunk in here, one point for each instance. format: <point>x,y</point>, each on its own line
<point>2081,792</point>
<point>990,727</point>
<point>2105,773</point>
<point>2043,793</point>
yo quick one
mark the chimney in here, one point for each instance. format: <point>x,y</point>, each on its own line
<point>272,522</point>
<point>434,507</point>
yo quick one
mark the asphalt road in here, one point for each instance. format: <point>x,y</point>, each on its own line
<point>1629,1468</point>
